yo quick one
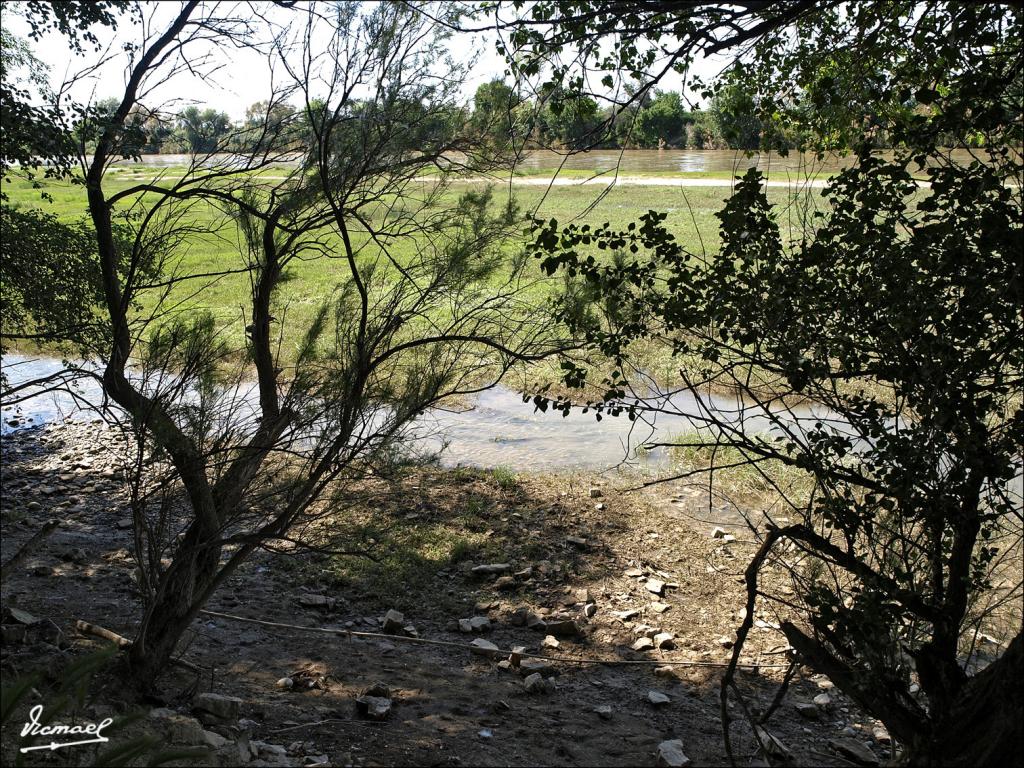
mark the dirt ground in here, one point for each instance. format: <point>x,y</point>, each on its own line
<point>570,541</point>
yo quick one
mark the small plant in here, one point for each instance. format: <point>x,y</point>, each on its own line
<point>504,477</point>
<point>65,702</point>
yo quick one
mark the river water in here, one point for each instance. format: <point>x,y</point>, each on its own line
<point>497,429</point>
<point>664,161</point>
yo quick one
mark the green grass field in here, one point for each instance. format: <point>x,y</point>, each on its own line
<point>217,246</point>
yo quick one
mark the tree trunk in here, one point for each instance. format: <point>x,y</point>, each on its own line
<point>177,601</point>
<point>985,726</point>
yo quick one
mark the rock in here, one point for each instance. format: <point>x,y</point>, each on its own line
<point>660,607</point>
<point>632,613</point>
<point>479,624</point>
<point>589,610</point>
<point>665,671</point>
<point>725,641</point>
<point>563,628</point>
<point>728,538</point>
<point>43,571</point>
<point>504,583</point>
<point>485,733</point>
<point>482,647</point>
<point>214,740</point>
<point>854,750</point>
<point>465,626</point>
<point>505,665</point>
<point>604,711</point>
<point>823,701</point>
<point>657,698</point>
<point>645,630</point>
<point>643,644</point>
<point>410,631</point>
<point>526,573</point>
<point>124,523</point>
<point>633,573</point>
<point>18,616</point>
<point>535,683</point>
<point>664,640</point>
<point>772,745</point>
<point>655,586</point>
<point>518,617</point>
<point>373,707</point>
<point>881,735</point>
<point>550,641</point>
<point>670,754</point>
<point>516,657</point>
<point>394,622</point>
<point>596,493</point>
<point>535,622</point>
<point>222,707</point>
<point>380,690</point>
<point>808,711</point>
<point>599,507</point>
<point>718,533</point>
<point>576,541</point>
<point>491,569</point>
<point>285,683</point>
<point>530,666</point>
<point>181,729</point>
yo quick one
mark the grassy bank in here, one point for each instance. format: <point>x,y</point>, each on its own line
<point>216,245</point>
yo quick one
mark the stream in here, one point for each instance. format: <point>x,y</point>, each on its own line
<point>497,429</point>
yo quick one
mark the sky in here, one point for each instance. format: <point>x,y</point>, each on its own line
<point>242,76</point>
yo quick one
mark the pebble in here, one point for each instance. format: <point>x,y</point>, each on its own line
<point>670,754</point>
<point>285,683</point>
<point>643,644</point>
<point>223,707</point>
<point>373,707</point>
<point>535,683</point>
<point>823,701</point>
<point>542,667</point>
<point>809,711</point>
<point>604,711</point>
<point>660,607</point>
<point>657,698</point>
<point>563,628</point>
<point>394,622</point>
<point>664,640</point>
<point>491,569</point>
<point>550,641</point>
<point>504,583</point>
<point>483,647</point>
<point>854,750</point>
<point>655,586</point>
<point>596,493</point>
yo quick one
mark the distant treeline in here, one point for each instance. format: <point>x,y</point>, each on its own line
<point>658,120</point>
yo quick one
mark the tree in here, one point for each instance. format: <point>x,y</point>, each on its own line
<point>428,305</point>
<point>494,109</point>
<point>202,131</point>
<point>570,123</point>
<point>663,122</point>
<point>894,313</point>
<point>49,282</point>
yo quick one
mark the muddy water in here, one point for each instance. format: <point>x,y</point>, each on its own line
<point>662,161</point>
<point>498,429</point>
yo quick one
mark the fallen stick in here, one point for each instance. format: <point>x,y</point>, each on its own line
<point>26,549</point>
<point>469,647</point>
<point>124,643</point>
